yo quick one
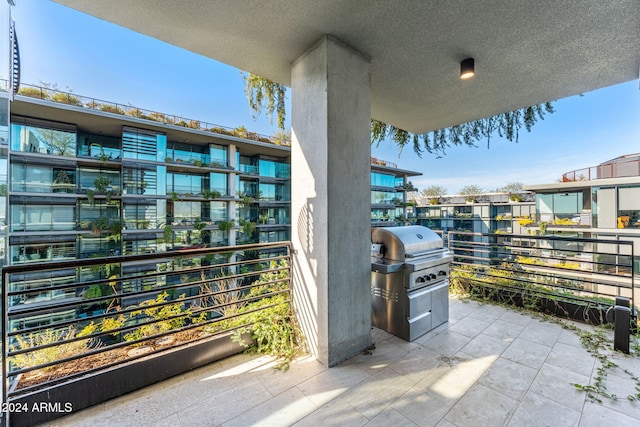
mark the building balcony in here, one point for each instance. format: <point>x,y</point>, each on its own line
<point>488,365</point>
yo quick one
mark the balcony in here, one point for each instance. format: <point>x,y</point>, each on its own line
<point>625,166</point>
<point>489,365</point>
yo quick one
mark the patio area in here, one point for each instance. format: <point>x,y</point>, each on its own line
<point>488,366</point>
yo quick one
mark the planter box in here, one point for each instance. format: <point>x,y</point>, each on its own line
<point>591,313</point>
<point>81,393</point>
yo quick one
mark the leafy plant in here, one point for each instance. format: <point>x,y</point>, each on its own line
<point>66,98</point>
<point>34,92</point>
<point>525,221</point>
<point>168,233</point>
<point>226,226</point>
<point>42,352</point>
<point>157,316</point>
<point>274,327</point>
<point>248,227</point>
<point>211,194</point>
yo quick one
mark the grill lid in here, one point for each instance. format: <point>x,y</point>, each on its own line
<point>406,242</point>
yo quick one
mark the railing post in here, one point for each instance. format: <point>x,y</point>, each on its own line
<point>622,324</point>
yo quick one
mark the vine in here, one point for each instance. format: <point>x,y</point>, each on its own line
<point>263,93</point>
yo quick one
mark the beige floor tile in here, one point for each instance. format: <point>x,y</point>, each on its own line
<point>527,353</point>
<point>283,410</point>
<point>504,330</point>
<point>485,345</point>
<point>447,343</point>
<point>422,406</point>
<point>557,384</point>
<point>516,317</point>
<point>575,359</point>
<point>334,413</point>
<point>538,411</point>
<point>332,383</point>
<point>541,332</point>
<point>416,364</point>
<point>470,327</point>
<point>170,421</point>
<point>509,378</point>
<point>224,407</point>
<point>621,387</point>
<point>482,406</point>
<point>277,381</point>
<point>570,338</point>
<point>390,417</point>
<point>377,392</point>
<point>487,312</point>
<point>595,415</point>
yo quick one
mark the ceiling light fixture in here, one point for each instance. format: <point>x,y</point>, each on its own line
<point>467,69</point>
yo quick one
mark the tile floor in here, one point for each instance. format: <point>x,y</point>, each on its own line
<point>488,366</point>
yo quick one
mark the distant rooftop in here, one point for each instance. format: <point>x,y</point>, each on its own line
<point>68,98</point>
<point>620,167</point>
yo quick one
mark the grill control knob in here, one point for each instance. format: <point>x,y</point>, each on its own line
<point>442,273</point>
<point>421,279</point>
<point>432,277</point>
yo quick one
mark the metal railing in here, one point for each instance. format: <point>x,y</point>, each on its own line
<point>590,272</point>
<point>52,94</point>
<point>69,319</point>
<point>618,169</point>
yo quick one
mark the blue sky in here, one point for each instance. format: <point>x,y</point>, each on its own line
<point>98,59</point>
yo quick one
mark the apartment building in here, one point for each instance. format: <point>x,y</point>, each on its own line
<point>498,213</point>
<point>389,187</point>
<point>600,202</point>
<point>83,178</point>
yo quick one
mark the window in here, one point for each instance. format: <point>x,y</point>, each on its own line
<point>143,145</point>
<point>628,207</point>
<point>42,218</point>
<point>382,180</point>
<point>35,139</point>
<point>99,146</point>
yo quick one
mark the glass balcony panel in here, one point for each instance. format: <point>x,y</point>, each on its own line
<point>33,139</point>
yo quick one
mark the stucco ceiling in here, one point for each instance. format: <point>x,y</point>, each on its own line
<point>526,52</point>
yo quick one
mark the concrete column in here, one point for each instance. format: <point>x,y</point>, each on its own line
<point>331,199</point>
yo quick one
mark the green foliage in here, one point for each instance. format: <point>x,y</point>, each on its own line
<point>39,356</point>
<point>265,94</point>
<point>543,228</point>
<point>525,221</point>
<point>211,194</point>
<point>226,226</point>
<point>506,125</point>
<point>34,92</point>
<point>109,108</point>
<point>248,227</point>
<point>273,328</point>
<point>157,316</point>
<point>66,98</point>
<point>168,233</point>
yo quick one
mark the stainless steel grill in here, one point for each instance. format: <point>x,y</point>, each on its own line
<point>409,280</point>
